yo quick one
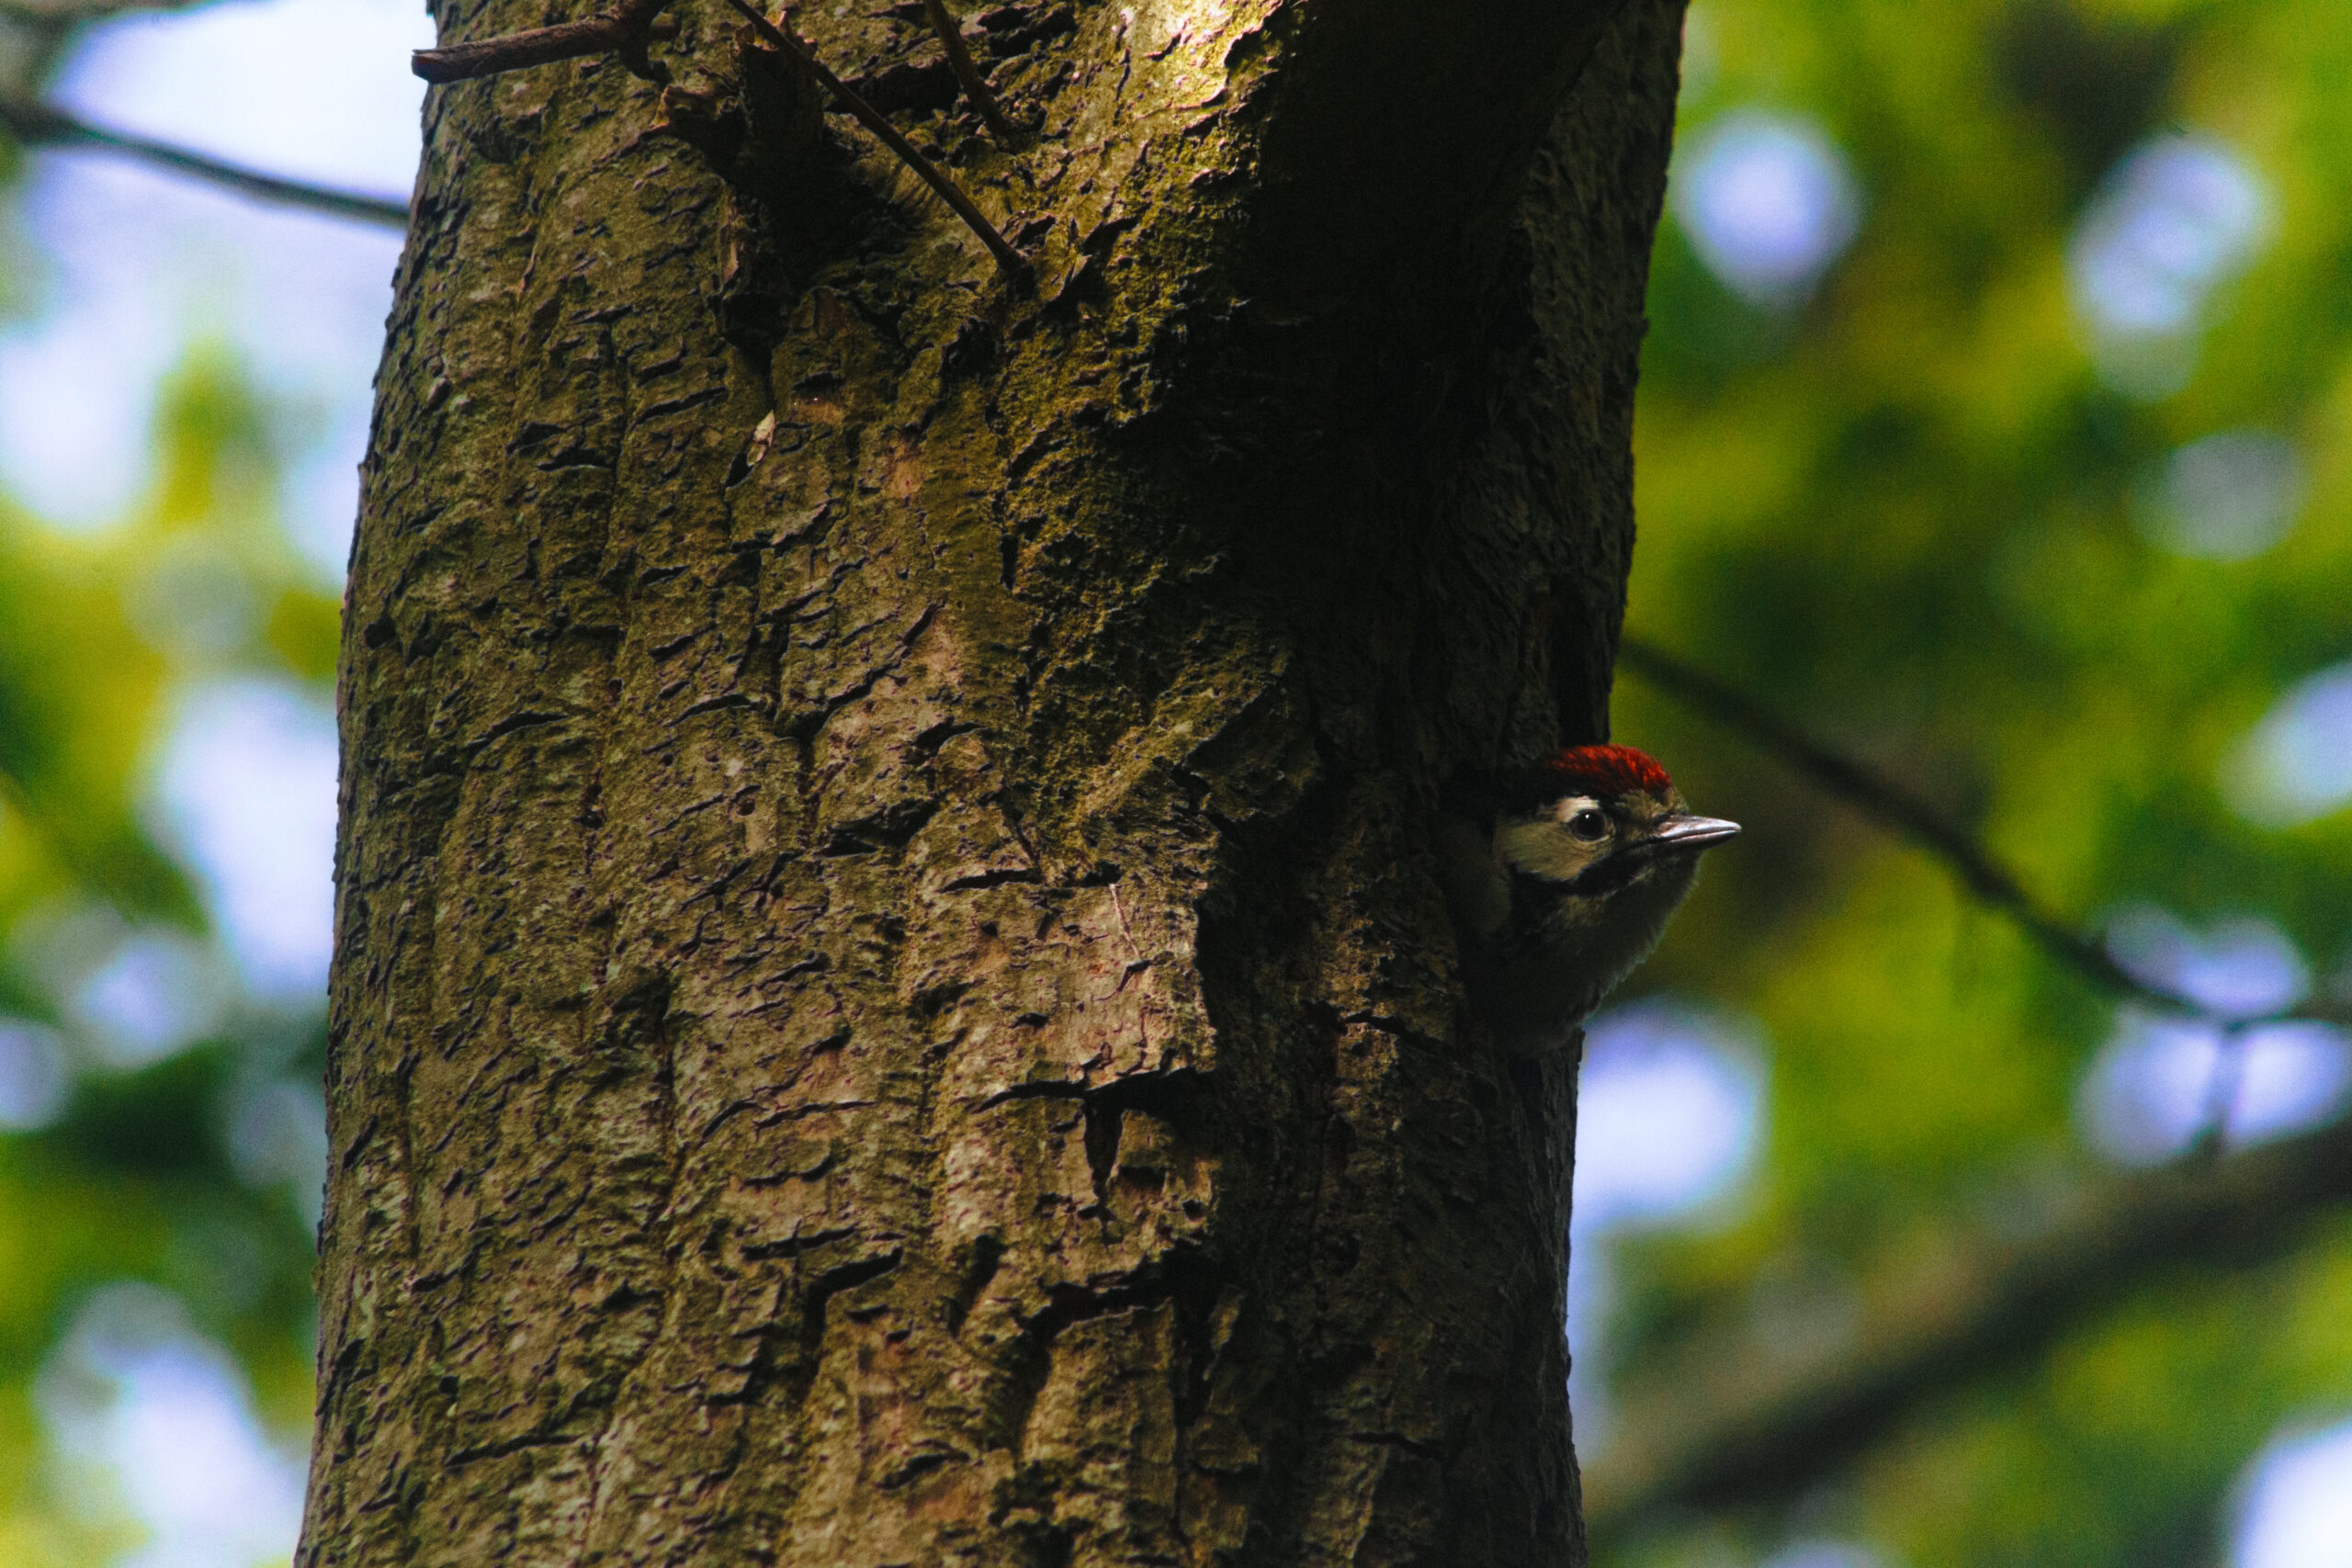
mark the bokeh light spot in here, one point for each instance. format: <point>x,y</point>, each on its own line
<point>2159,1081</point>
<point>1769,204</point>
<point>1666,1113</point>
<point>165,1417</point>
<point>1668,1103</point>
<point>2226,497</point>
<point>2242,967</point>
<point>2297,764</point>
<point>158,992</point>
<point>2177,217</point>
<point>2154,1086</point>
<point>2297,1504</point>
<point>34,1077</point>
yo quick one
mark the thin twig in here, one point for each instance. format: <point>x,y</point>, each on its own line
<point>975,88</point>
<point>1879,796</point>
<point>624,30</point>
<point>1010,260</point>
<point>1740,1415</point>
<point>42,125</point>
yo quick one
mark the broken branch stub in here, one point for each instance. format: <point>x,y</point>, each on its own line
<point>626,30</point>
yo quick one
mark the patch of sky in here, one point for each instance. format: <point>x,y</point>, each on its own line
<point>1669,1106</point>
<point>163,1419</point>
<point>138,264</point>
<point>2296,765</point>
<point>311,89</point>
<point>2160,1082</point>
<point>1769,203</point>
<point>2295,1503</point>
<point>246,796</point>
<point>2177,217</point>
<point>2225,497</point>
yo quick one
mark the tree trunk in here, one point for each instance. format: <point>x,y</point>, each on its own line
<point>890,1006</point>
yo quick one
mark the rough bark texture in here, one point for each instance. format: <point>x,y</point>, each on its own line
<point>890,1006</point>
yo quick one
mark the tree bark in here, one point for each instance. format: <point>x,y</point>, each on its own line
<point>890,1006</point>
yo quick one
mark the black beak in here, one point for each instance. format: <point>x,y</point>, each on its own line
<point>1684,831</point>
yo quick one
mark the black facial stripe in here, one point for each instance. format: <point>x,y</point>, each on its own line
<point>1610,873</point>
<point>1607,875</point>
<point>1534,897</point>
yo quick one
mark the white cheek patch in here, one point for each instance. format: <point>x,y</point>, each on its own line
<point>1573,805</point>
<point>1539,847</point>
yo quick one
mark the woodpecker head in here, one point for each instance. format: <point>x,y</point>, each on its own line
<point>1561,877</point>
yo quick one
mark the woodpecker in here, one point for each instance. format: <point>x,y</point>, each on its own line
<point>1560,878</point>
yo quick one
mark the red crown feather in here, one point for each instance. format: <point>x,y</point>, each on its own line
<point>1604,769</point>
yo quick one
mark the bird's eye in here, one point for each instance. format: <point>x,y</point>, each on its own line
<point>1589,824</point>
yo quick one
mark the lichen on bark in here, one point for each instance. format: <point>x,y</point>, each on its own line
<point>889,1003</point>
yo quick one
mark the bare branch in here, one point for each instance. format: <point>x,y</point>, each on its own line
<point>41,125</point>
<point>959,57</point>
<point>1737,1416</point>
<point>1010,261</point>
<point>1880,797</point>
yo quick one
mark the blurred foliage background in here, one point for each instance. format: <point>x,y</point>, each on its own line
<point>1995,432</point>
<point>182,385</point>
<point>160,1104</point>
